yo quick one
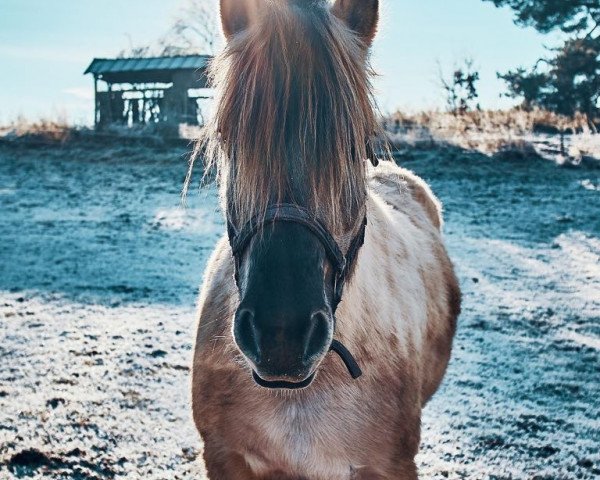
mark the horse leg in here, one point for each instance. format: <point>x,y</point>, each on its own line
<point>222,464</point>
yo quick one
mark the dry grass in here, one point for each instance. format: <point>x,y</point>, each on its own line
<point>504,132</point>
<point>492,132</point>
<point>50,130</point>
<point>508,121</point>
<point>59,131</point>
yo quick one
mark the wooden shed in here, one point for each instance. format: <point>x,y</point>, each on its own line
<point>131,91</point>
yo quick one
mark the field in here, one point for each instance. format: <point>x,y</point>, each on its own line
<point>99,271</point>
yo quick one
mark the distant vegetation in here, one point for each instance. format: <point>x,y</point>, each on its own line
<point>560,95</point>
<point>567,82</point>
<point>58,131</point>
<point>515,133</point>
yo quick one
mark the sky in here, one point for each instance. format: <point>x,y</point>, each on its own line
<point>45,46</point>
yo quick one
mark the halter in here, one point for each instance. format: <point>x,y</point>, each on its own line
<point>342,264</point>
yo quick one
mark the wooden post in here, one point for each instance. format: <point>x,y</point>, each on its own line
<point>110,102</point>
<point>96,119</point>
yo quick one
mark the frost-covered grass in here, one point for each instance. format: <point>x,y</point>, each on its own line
<point>99,273</point>
<point>585,145</point>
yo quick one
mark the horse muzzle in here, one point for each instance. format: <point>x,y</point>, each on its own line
<point>283,357</point>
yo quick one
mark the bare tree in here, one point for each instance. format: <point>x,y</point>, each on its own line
<point>461,88</point>
<point>194,30</point>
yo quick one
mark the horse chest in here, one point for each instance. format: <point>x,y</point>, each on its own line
<point>297,440</point>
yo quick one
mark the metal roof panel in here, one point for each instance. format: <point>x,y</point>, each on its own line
<point>141,64</point>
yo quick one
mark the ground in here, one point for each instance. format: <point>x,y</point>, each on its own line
<point>99,271</point>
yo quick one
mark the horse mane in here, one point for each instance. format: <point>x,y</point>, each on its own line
<point>294,115</point>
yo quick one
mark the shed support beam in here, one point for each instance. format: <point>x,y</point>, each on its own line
<point>96,119</point>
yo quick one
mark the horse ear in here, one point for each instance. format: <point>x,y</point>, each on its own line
<point>236,15</point>
<point>360,15</point>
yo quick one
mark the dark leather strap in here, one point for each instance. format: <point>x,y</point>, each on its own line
<point>285,212</point>
<point>292,214</point>
<point>351,364</point>
<point>355,246</point>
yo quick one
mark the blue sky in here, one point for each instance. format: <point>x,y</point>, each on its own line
<point>46,45</point>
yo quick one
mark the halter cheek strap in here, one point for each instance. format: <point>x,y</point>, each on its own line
<point>342,264</point>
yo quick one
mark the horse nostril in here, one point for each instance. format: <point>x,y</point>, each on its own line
<point>318,336</point>
<point>245,334</point>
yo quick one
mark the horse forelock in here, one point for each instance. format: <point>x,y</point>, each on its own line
<point>294,113</point>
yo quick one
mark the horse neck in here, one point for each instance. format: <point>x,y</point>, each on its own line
<point>368,314</point>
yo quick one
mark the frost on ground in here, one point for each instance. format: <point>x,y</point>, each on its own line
<point>95,392</point>
<point>99,268</point>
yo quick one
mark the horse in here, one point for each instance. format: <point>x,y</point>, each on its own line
<point>328,310</point>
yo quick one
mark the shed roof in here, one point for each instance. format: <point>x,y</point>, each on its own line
<point>152,69</point>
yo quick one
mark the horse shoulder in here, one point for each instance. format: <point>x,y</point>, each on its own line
<point>399,186</point>
<point>419,232</point>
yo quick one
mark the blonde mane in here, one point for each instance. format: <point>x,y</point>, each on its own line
<point>294,115</point>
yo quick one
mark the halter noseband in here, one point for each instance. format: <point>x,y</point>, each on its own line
<point>342,264</point>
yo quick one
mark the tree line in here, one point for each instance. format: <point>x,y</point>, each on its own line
<point>567,81</point>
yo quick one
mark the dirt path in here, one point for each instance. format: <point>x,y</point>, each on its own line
<point>99,269</point>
